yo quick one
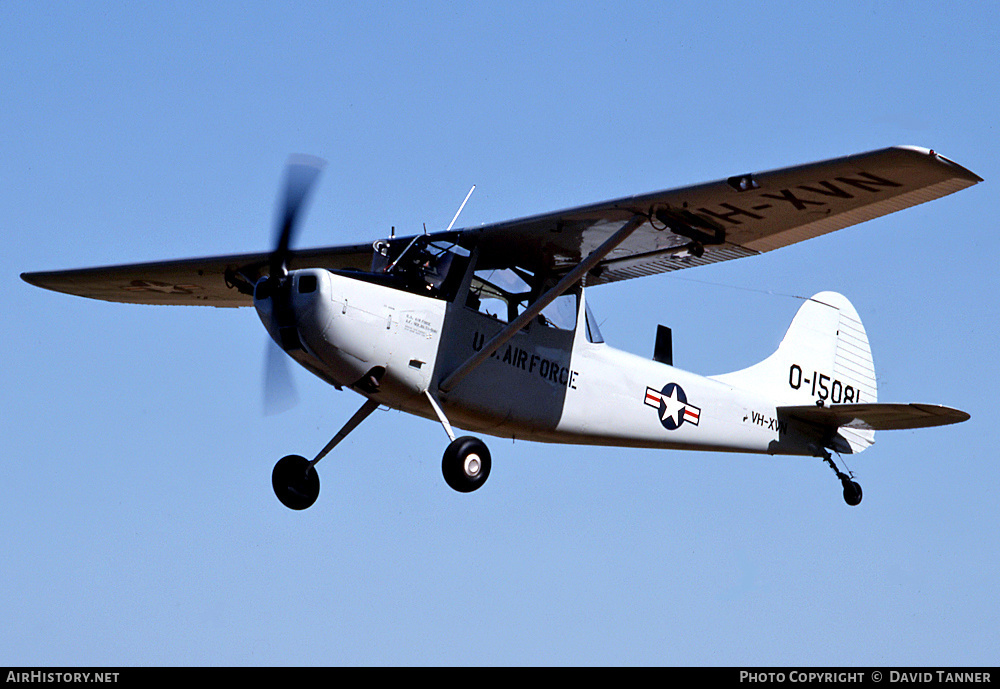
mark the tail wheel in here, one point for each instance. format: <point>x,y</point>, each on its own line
<point>852,489</point>
<point>295,482</point>
<point>466,464</point>
<point>852,493</point>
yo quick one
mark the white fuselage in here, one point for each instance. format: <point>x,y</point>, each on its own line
<point>545,384</point>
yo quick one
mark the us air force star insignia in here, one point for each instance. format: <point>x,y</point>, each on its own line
<point>673,406</point>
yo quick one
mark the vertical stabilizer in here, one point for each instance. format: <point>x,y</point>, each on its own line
<point>824,358</point>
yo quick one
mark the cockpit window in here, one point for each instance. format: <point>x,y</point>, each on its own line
<point>433,269</point>
<point>504,294</point>
<point>436,268</point>
<point>561,313</point>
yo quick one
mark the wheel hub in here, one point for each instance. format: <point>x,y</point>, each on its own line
<point>472,465</point>
<point>466,464</point>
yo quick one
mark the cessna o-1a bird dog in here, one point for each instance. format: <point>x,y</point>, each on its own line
<point>488,328</point>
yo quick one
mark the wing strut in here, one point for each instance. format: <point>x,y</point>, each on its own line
<point>568,280</point>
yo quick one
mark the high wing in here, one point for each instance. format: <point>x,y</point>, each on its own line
<point>212,281</point>
<point>739,216</point>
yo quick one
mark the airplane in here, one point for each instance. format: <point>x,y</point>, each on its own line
<point>488,328</point>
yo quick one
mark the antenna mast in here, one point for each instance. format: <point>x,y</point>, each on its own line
<point>460,208</point>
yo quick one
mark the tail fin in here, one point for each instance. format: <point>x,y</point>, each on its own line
<point>824,358</point>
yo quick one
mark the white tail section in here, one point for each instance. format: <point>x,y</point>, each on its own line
<point>824,357</point>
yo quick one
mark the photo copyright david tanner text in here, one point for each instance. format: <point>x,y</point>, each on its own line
<point>892,676</point>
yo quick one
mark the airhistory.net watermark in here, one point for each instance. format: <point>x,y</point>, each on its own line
<point>44,676</point>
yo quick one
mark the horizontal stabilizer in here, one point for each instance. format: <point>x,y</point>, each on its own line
<point>875,417</point>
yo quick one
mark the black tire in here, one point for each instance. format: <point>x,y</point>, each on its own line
<point>295,482</point>
<point>460,463</point>
<point>852,493</point>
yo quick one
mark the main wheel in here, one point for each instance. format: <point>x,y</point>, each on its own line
<point>295,482</point>
<point>852,493</point>
<point>466,464</point>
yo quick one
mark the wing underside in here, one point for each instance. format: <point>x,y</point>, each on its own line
<point>214,281</point>
<point>732,218</point>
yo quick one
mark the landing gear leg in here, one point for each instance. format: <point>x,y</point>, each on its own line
<point>295,479</point>
<point>852,489</point>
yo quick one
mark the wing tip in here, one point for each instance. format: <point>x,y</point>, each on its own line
<point>36,279</point>
<point>956,169</point>
<point>947,415</point>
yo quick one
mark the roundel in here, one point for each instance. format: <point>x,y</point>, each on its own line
<point>672,403</point>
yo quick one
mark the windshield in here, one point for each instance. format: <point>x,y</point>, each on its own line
<point>425,267</point>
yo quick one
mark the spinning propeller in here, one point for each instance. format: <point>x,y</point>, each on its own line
<point>301,173</point>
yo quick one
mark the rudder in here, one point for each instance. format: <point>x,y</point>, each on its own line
<point>824,358</point>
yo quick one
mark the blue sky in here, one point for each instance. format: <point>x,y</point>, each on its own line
<point>139,523</point>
